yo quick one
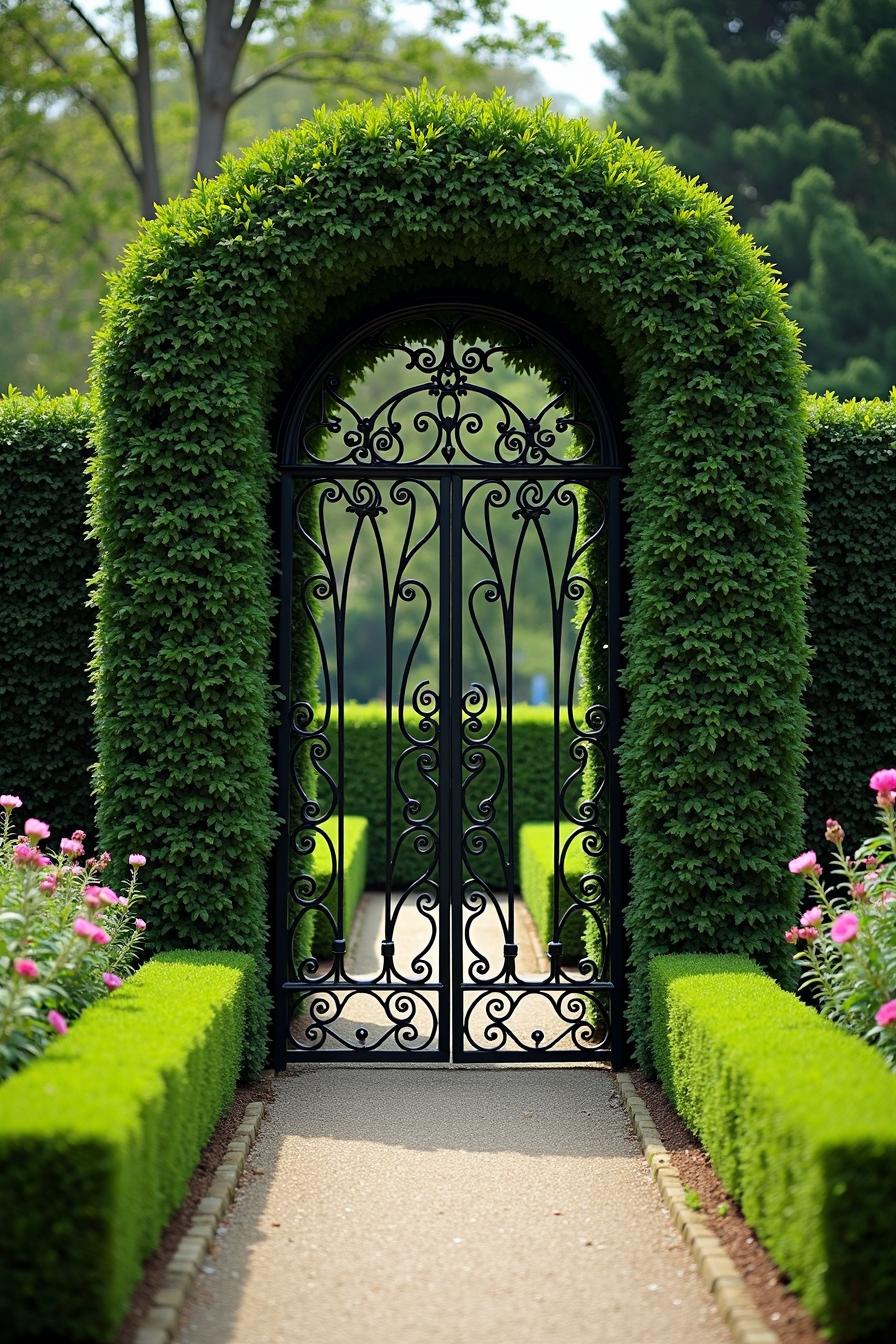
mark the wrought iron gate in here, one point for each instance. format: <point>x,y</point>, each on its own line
<point>460,507</point>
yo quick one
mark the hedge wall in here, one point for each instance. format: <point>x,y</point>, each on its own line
<point>100,1136</point>
<point>852,695</point>
<point>354,862</point>
<point>238,285</point>
<point>46,737</point>
<point>799,1119</point>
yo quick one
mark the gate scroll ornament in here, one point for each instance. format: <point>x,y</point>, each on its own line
<point>451,466</point>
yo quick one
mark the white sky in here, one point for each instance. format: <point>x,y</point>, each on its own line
<point>581,23</point>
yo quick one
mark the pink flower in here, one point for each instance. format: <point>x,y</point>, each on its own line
<point>883,781</point>
<point>91,898</point>
<point>810,918</point>
<point>27,856</point>
<point>844,928</point>
<point>886,1014</point>
<point>808,935</point>
<point>137,860</point>
<point>99,936</point>
<point>57,1022</point>
<point>36,830</point>
<point>888,897</point>
<point>123,902</point>
<point>140,924</point>
<point>77,870</point>
<point>108,896</point>
<point>9,801</point>
<point>48,883</point>
<point>858,891</point>
<point>85,929</point>
<point>79,835</point>
<point>803,862</point>
<point>105,858</point>
<point>26,968</point>
<point>111,981</point>
<point>834,832</point>
<point>72,846</point>
<point>792,934</point>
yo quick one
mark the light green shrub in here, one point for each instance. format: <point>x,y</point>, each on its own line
<point>536,850</point>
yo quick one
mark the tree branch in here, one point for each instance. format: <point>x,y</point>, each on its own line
<point>101,38</point>
<point>35,212</point>
<point>249,18</point>
<point>99,107</point>
<point>52,171</point>
<point>185,36</point>
<point>280,69</point>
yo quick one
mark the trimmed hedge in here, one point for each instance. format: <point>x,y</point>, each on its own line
<point>242,283</point>
<point>354,863</point>
<point>365,793</point>
<point>852,695</point>
<point>799,1119</point>
<point>536,849</point>
<point>46,743</point>
<point>99,1138</point>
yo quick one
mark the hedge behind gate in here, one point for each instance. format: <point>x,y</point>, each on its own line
<point>231,290</point>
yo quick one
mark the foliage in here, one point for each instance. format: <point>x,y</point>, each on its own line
<point>248,277</point>
<point>327,861</point>
<point>100,119</point>
<point>99,1138</point>
<point>537,871</point>
<point>799,135</point>
<point>848,933</point>
<point>851,698</point>
<point>65,938</point>
<point>799,1120</point>
<point>46,744</point>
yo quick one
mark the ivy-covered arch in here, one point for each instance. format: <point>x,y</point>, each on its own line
<point>218,301</point>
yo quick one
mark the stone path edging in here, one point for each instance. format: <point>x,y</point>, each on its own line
<point>162,1319</point>
<point>717,1269</point>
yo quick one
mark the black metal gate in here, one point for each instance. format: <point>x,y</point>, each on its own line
<point>486,525</point>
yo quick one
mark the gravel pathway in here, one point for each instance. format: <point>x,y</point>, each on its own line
<point>453,1205</point>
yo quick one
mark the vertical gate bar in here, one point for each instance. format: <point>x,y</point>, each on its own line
<point>454,726</point>
<point>339,617</point>
<point>556,620</point>
<point>446,751</point>
<point>614,705</point>
<point>281,857</point>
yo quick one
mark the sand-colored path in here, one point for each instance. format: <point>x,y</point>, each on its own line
<point>453,1205</point>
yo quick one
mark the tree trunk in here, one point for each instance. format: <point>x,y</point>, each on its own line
<point>150,181</point>
<point>222,45</point>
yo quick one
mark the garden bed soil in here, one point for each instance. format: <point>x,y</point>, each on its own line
<point>763,1280</point>
<point>212,1157</point>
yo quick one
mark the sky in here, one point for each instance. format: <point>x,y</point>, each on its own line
<point>581,23</point>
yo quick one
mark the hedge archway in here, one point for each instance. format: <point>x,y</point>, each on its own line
<point>214,304</point>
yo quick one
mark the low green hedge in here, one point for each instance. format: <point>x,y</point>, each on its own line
<point>536,851</point>
<point>99,1138</point>
<point>354,880</point>
<point>799,1120</point>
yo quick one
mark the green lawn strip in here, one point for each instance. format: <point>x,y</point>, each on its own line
<point>799,1119</point>
<point>99,1138</point>
<point>536,857</point>
<point>354,868</point>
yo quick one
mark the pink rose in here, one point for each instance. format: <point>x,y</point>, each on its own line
<point>57,1022</point>
<point>26,968</point>
<point>9,801</point>
<point>810,918</point>
<point>792,934</point>
<point>803,862</point>
<point>111,981</point>
<point>137,860</point>
<point>883,781</point>
<point>844,928</point>
<point>886,1014</point>
<point>36,830</point>
<point>140,925</point>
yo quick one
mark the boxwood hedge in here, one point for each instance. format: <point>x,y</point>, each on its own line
<point>225,297</point>
<point>99,1138</point>
<point>536,851</point>
<point>799,1119</point>
<point>46,737</point>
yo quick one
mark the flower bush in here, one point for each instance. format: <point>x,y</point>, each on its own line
<point>847,936</point>
<point>65,938</point>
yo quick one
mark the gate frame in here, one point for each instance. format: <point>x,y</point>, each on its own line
<point>289,421</point>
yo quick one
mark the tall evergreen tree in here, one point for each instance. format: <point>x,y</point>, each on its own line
<point>790,109</point>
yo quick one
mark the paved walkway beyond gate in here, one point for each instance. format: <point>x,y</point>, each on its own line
<point>449,1205</point>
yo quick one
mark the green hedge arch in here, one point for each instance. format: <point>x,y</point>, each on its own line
<point>215,307</point>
